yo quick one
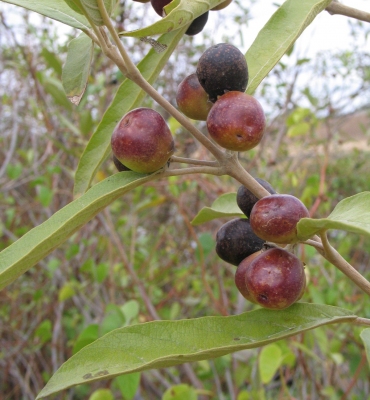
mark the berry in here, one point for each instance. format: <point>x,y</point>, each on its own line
<point>197,25</point>
<point>275,279</point>
<point>274,218</point>
<point>236,240</point>
<point>192,100</point>
<point>142,141</point>
<point>158,6</point>
<point>120,167</point>
<point>246,199</point>
<point>240,276</point>
<point>236,121</point>
<point>222,68</point>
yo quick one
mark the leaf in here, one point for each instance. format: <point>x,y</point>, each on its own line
<point>128,96</point>
<point>223,206</point>
<point>77,67</point>
<point>36,244</point>
<point>180,392</point>
<point>87,336</point>
<point>128,385</point>
<point>270,360</point>
<point>161,344</point>
<point>278,35</point>
<point>365,336</point>
<point>92,10</point>
<point>179,14</point>
<point>56,9</point>
<point>299,129</point>
<point>351,214</point>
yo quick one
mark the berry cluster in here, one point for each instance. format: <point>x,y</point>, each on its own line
<point>268,275</point>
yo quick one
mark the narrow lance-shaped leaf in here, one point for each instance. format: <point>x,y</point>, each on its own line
<point>128,96</point>
<point>365,336</point>
<point>278,35</point>
<point>351,214</point>
<point>36,244</point>
<point>55,9</point>
<point>161,344</point>
<point>223,206</point>
<point>77,67</point>
<point>180,13</point>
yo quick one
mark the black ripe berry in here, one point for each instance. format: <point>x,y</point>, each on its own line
<point>197,25</point>
<point>236,240</point>
<point>246,199</point>
<point>222,68</point>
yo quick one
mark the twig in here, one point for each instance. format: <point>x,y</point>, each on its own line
<point>336,8</point>
<point>362,321</point>
<point>193,161</point>
<point>337,260</point>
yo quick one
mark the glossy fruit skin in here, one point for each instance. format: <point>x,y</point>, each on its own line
<point>158,5</point>
<point>192,100</point>
<point>236,121</point>
<point>275,279</point>
<point>222,68</point>
<point>274,218</point>
<point>120,167</point>
<point>142,141</point>
<point>240,276</point>
<point>236,240</point>
<point>222,5</point>
<point>246,199</point>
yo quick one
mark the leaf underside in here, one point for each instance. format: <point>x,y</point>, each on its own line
<point>162,344</point>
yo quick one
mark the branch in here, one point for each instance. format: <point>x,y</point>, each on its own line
<point>338,261</point>
<point>336,8</point>
<point>193,161</point>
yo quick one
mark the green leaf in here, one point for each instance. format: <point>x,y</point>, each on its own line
<point>128,384</point>
<point>56,9</point>
<point>270,360</point>
<point>299,129</point>
<point>102,394</point>
<point>179,14</point>
<point>180,392</point>
<point>223,206</point>
<point>161,344</point>
<point>92,10</point>
<point>77,67</point>
<point>278,35</point>
<point>365,336</point>
<point>66,292</point>
<point>128,96</point>
<point>43,239</point>
<point>351,214</point>
<point>87,336</point>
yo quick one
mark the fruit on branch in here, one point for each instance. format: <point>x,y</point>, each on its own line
<point>236,240</point>
<point>197,25</point>
<point>240,276</point>
<point>246,199</point>
<point>275,279</point>
<point>221,6</point>
<point>192,100</point>
<point>274,218</point>
<point>236,121</point>
<point>158,6</point>
<point>142,141</point>
<point>120,167</point>
<point>222,68</point>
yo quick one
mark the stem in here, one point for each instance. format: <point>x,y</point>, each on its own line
<point>193,161</point>
<point>362,321</point>
<point>337,260</point>
<point>336,8</point>
<point>134,74</point>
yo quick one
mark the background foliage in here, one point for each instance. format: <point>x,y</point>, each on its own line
<point>141,259</point>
